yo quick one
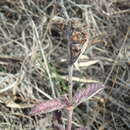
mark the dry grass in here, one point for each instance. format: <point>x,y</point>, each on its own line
<point>33,67</point>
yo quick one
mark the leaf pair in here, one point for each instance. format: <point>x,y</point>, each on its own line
<point>62,102</point>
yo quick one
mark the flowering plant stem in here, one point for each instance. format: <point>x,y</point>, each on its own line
<point>70,111</point>
<point>70,66</point>
<point>70,71</point>
<point>69,123</point>
<point>70,75</point>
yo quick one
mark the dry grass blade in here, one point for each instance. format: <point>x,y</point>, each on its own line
<point>12,104</point>
<point>44,57</point>
<point>83,129</point>
<point>79,79</point>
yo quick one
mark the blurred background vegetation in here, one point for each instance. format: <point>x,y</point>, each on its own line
<point>33,62</point>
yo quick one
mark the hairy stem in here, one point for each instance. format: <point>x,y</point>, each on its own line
<point>69,124</point>
<point>70,71</point>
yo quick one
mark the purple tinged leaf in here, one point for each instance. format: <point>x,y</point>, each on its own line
<point>90,90</point>
<point>49,106</point>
